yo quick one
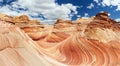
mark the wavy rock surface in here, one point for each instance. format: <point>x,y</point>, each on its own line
<point>85,42</point>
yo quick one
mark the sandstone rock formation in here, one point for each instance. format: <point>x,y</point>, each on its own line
<point>60,23</point>
<point>91,41</point>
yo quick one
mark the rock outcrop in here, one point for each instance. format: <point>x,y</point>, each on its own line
<point>60,23</point>
<point>91,41</point>
<point>102,20</point>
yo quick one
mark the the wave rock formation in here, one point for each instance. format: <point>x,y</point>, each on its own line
<point>91,41</point>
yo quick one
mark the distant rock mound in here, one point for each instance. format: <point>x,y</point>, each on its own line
<point>102,20</point>
<point>4,17</point>
<point>60,23</point>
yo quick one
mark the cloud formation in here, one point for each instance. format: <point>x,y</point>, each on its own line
<point>118,19</point>
<point>90,6</point>
<point>86,15</point>
<point>45,10</point>
<point>110,3</point>
<point>96,1</point>
<point>1,0</point>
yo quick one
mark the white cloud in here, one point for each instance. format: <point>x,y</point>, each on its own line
<point>78,16</point>
<point>1,0</point>
<point>96,1</point>
<point>109,14</point>
<point>118,19</point>
<point>90,6</point>
<point>111,3</point>
<point>6,10</point>
<point>48,8</point>
<point>106,2</point>
<point>80,6</point>
<point>86,15</point>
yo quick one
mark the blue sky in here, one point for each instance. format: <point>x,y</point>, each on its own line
<point>48,11</point>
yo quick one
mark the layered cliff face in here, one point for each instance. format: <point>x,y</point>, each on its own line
<point>91,41</point>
